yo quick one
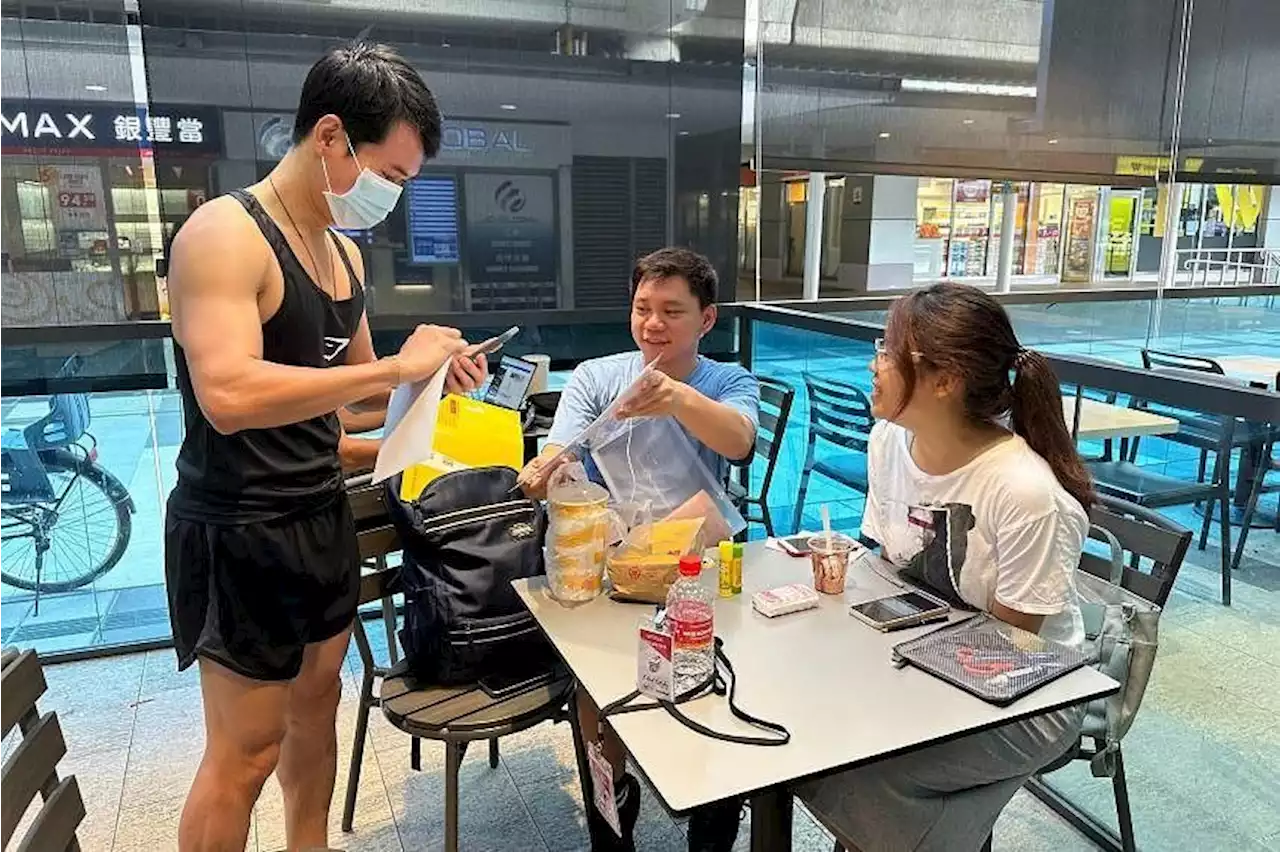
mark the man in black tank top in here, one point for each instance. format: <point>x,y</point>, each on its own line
<point>261,558</point>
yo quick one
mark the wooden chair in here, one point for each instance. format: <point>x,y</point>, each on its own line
<point>776,399</point>
<point>33,766</point>
<point>455,715</point>
<point>1156,547</point>
<point>839,414</point>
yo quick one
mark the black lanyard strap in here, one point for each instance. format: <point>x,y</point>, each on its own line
<point>718,685</point>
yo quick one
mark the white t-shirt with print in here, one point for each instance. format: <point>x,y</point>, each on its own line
<point>1027,535</point>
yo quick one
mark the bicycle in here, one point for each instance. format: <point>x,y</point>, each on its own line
<point>64,519</point>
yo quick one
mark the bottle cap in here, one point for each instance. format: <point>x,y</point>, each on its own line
<point>690,566</point>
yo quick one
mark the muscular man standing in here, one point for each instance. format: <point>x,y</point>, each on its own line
<point>261,559</point>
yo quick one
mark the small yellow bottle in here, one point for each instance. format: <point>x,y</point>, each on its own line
<point>737,569</point>
<point>726,569</point>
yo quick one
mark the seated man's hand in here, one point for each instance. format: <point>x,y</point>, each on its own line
<point>536,476</point>
<point>466,374</point>
<point>658,395</point>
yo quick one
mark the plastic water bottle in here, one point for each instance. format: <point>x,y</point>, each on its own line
<point>690,612</point>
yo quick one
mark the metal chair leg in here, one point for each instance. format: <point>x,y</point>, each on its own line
<point>1123,814</point>
<point>452,764</point>
<point>415,754</point>
<point>1220,479</point>
<point>1204,462</point>
<point>766,518</point>
<point>357,747</point>
<point>389,624</point>
<point>1254,493</point>
<point>1225,501</point>
<point>798,521</point>
<point>493,753</point>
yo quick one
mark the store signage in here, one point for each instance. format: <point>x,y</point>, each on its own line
<point>78,127</point>
<point>78,197</point>
<point>1145,166</point>
<point>972,191</point>
<point>511,228</point>
<point>484,138</point>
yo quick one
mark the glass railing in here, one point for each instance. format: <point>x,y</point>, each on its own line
<point>92,511</point>
<point>82,549</point>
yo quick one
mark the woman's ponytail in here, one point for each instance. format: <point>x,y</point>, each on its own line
<point>1037,416</point>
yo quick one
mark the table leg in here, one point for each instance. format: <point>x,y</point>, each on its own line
<point>771,820</point>
<point>452,765</point>
<point>1250,457</point>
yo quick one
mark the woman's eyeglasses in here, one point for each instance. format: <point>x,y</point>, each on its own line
<point>882,350</point>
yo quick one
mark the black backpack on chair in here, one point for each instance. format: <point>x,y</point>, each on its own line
<point>466,537</point>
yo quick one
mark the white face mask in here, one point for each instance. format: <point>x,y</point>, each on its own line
<point>369,200</point>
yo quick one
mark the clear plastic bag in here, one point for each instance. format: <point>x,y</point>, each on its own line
<point>649,461</point>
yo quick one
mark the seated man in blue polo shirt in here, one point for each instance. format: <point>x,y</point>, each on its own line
<point>673,295</point>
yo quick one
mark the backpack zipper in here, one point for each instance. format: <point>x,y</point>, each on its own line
<point>439,528</point>
<point>458,513</point>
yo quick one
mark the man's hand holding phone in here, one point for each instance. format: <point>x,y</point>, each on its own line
<point>466,373</point>
<point>426,350</point>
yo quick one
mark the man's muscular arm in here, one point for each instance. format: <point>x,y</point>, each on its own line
<point>218,266</point>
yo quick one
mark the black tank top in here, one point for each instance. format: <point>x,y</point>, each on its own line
<point>260,474</point>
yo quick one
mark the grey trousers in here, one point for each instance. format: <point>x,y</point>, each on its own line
<point>944,798</point>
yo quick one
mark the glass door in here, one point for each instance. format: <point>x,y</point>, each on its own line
<point>1121,224</point>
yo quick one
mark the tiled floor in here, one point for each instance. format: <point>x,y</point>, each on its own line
<point>134,735</point>
<point>1203,758</point>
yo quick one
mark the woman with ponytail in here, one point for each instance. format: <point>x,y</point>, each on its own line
<point>976,490</point>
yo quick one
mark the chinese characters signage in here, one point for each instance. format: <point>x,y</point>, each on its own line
<point>77,128</point>
<point>511,228</point>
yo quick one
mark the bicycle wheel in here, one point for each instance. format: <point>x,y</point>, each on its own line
<point>56,550</point>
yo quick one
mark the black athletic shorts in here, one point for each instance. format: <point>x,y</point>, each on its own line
<point>252,596</point>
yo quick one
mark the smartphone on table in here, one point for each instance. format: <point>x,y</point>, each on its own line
<point>795,545</point>
<point>897,612</point>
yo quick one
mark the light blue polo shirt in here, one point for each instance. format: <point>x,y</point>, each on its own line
<point>598,382</point>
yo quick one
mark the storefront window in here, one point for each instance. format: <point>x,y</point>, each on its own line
<point>970,228</point>
<point>1044,229</point>
<point>933,227</point>
<point>1082,219</point>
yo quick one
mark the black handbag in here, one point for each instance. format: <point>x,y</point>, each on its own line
<point>465,539</point>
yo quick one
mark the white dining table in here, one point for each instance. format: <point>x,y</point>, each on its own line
<point>1102,420</point>
<point>824,675</point>
<point>1258,369</point>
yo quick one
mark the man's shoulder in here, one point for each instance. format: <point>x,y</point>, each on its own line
<point>608,367</point>
<point>725,376</point>
<point>215,224</point>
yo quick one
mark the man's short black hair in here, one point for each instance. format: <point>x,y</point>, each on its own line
<point>678,262</point>
<point>370,87</point>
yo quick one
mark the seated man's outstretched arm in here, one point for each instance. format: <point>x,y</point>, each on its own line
<point>726,425</point>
